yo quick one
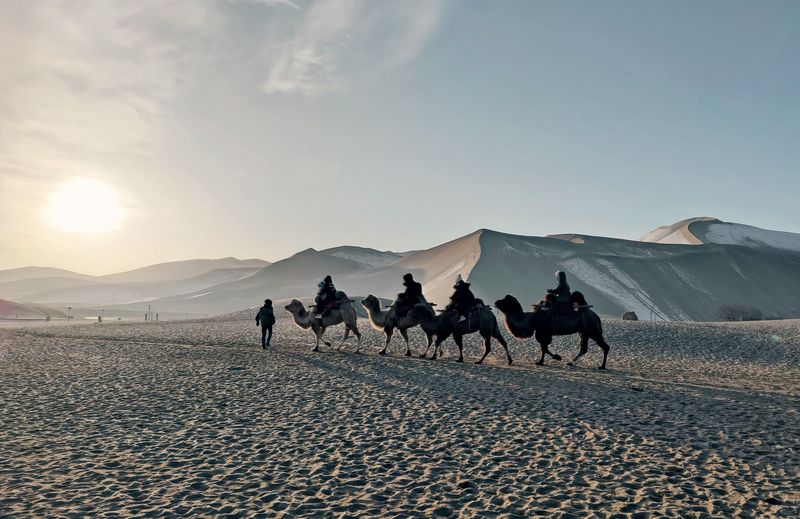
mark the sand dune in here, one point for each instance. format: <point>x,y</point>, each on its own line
<point>38,273</point>
<point>14,310</point>
<point>175,270</point>
<point>705,265</point>
<point>705,230</point>
<point>194,418</point>
<point>120,293</point>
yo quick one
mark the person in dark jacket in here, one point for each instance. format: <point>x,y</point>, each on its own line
<point>409,297</point>
<point>562,291</point>
<point>265,318</point>
<point>462,299</point>
<point>325,297</point>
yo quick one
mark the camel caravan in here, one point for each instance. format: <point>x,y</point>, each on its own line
<point>561,312</point>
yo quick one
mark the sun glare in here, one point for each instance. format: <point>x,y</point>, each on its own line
<point>85,206</point>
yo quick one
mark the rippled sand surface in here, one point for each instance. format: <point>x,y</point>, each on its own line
<point>194,418</point>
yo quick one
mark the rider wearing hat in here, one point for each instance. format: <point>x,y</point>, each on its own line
<point>325,297</point>
<point>409,297</point>
<point>562,291</point>
<point>462,299</point>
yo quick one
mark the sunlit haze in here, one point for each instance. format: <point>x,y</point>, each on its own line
<point>138,132</point>
<point>84,206</point>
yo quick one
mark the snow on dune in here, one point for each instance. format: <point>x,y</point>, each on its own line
<point>368,258</point>
<point>614,283</point>
<point>747,235</point>
<point>705,230</point>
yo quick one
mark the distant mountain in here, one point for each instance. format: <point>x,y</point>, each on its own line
<point>13,310</point>
<point>175,270</point>
<point>367,257</point>
<point>127,292</point>
<point>22,289</point>
<point>684,271</point>
<point>295,276</point>
<point>38,273</point>
<point>659,281</point>
<point>705,230</point>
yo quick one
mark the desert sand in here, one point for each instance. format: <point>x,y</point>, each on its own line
<point>161,419</point>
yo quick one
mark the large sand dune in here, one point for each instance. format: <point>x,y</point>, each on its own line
<point>657,281</point>
<point>686,271</point>
<point>194,418</point>
<point>705,230</point>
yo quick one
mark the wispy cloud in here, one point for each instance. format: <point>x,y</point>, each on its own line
<point>270,3</point>
<point>339,42</point>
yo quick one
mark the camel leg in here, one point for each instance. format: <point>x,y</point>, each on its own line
<point>487,347</point>
<point>388,331</point>
<point>344,338</point>
<point>321,334</point>
<point>358,337</point>
<point>404,333</point>
<point>319,337</point>
<point>430,341</point>
<point>544,342</point>
<point>499,336</point>
<point>605,347</point>
<point>436,348</point>
<point>584,348</point>
<point>460,344</point>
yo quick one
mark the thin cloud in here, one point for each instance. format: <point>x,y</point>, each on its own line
<point>269,3</point>
<point>339,42</point>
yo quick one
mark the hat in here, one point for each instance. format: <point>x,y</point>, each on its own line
<point>408,277</point>
<point>460,281</point>
<point>328,279</point>
<point>268,302</point>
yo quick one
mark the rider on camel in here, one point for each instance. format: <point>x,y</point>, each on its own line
<point>325,297</point>
<point>462,299</point>
<point>562,291</point>
<point>408,298</point>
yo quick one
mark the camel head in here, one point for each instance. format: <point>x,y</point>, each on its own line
<point>371,303</point>
<point>295,307</point>
<point>508,305</point>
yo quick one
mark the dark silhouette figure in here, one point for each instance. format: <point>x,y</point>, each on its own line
<point>266,319</point>
<point>540,323</point>
<point>446,324</point>
<point>326,296</point>
<point>409,297</point>
<point>561,291</point>
<point>462,300</point>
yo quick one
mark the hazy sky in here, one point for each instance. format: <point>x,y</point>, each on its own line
<point>138,132</point>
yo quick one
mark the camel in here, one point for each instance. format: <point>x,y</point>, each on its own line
<point>386,320</point>
<point>584,322</point>
<point>445,324</point>
<point>344,314</point>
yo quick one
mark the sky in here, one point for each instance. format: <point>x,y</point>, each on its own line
<point>138,132</point>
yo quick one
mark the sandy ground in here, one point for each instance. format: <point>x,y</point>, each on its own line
<point>193,417</point>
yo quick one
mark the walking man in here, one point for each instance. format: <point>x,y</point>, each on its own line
<point>265,318</point>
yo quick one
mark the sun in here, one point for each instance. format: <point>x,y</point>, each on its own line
<point>85,206</point>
